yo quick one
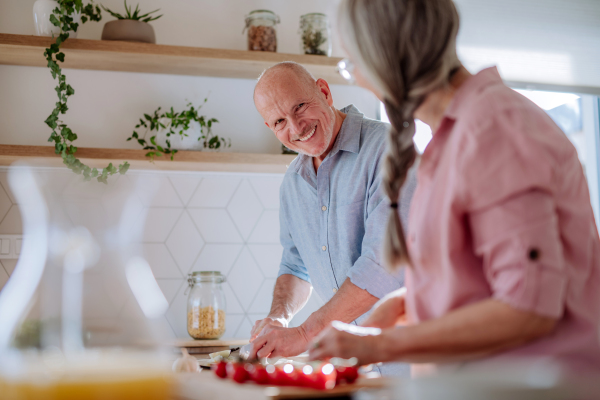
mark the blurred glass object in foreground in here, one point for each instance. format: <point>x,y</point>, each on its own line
<point>80,316</point>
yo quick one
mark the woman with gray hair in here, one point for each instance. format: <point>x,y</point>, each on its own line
<point>503,254</point>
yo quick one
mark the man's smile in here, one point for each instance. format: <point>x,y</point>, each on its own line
<point>308,135</point>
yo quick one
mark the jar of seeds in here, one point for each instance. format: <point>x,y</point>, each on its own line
<point>262,32</point>
<point>314,34</point>
<point>206,305</point>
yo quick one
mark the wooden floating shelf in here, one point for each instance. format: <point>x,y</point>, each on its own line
<point>43,156</point>
<point>160,59</point>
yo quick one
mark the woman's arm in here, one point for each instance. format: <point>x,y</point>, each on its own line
<point>469,332</point>
<point>389,311</point>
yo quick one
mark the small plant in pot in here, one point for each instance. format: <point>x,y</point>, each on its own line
<point>172,131</point>
<point>132,26</point>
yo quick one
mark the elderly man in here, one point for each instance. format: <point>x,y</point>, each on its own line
<point>333,210</point>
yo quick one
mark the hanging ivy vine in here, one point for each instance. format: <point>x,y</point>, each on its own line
<point>62,136</point>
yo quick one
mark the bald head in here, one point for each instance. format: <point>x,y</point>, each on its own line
<point>282,71</point>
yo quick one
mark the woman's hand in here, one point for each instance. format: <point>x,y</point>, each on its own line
<point>389,311</point>
<point>347,341</point>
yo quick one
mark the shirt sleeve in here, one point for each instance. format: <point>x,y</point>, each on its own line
<point>519,242</point>
<point>291,262</point>
<point>368,272</point>
<point>507,179</point>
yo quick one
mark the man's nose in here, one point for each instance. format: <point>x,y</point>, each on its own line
<point>296,126</point>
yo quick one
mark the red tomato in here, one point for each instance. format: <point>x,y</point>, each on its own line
<point>292,376</point>
<point>276,376</point>
<point>220,369</point>
<point>259,375</point>
<point>237,372</point>
<point>347,374</point>
<point>326,376</point>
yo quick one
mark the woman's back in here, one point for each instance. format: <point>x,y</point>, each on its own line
<point>502,210</point>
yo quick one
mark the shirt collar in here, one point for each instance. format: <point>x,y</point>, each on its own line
<point>475,83</point>
<point>348,139</point>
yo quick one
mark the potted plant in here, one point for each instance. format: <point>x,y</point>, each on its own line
<point>42,13</point>
<point>131,26</point>
<point>184,130</point>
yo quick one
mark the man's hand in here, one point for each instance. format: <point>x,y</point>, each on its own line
<point>389,311</point>
<point>263,323</point>
<point>278,341</point>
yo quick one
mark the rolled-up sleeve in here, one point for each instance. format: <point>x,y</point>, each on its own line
<point>368,272</point>
<point>519,242</point>
<point>291,262</point>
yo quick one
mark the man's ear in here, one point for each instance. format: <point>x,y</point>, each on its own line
<point>267,124</point>
<point>324,89</point>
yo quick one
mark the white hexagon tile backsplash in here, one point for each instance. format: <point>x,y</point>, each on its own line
<point>196,221</point>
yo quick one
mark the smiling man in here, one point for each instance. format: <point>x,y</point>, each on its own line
<point>333,210</point>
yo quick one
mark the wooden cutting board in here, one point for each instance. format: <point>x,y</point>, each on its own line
<point>206,386</point>
<point>211,343</point>
<point>291,393</point>
<point>209,346</point>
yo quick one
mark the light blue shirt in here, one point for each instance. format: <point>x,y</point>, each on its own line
<point>332,222</point>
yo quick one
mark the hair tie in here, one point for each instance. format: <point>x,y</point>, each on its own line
<point>394,205</point>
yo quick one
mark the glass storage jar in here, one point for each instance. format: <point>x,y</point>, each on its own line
<point>206,305</point>
<point>262,33</point>
<point>314,34</point>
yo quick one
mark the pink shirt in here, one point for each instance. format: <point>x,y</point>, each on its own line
<point>502,210</point>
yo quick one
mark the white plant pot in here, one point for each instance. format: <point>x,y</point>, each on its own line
<point>179,142</point>
<point>42,10</point>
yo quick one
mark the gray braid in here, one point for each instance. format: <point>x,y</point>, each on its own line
<point>400,157</point>
<point>406,49</point>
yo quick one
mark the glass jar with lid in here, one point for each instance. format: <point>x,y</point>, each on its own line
<point>206,305</point>
<point>262,31</point>
<point>314,34</point>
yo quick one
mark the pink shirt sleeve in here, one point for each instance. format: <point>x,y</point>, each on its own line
<point>512,214</point>
<point>523,261</point>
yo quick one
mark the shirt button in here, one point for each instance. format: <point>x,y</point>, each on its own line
<point>334,290</point>
<point>324,248</point>
<point>324,208</point>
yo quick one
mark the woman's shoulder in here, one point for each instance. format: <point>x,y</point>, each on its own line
<point>507,144</point>
<point>499,117</point>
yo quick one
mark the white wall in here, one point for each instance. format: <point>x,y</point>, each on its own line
<point>103,113</point>
<point>196,222</point>
<point>107,105</point>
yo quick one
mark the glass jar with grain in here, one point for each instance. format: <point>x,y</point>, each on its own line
<point>206,305</point>
<point>262,31</point>
<point>315,34</point>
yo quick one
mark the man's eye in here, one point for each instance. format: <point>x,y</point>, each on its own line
<point>278,121</point>
<point>301,105</point>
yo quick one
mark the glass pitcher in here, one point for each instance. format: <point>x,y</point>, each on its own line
<point>81,316</point>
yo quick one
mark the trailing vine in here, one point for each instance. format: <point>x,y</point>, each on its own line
<point>62,136</point>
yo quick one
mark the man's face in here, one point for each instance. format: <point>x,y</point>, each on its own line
<point>299,113</point>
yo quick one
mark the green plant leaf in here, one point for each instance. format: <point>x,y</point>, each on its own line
<point>54,21</point>
<point>123,168</point>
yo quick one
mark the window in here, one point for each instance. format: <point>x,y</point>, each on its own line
<point>422,133</point>
<point>576,115</point>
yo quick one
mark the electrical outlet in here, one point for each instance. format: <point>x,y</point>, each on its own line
<point>10,246</point>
